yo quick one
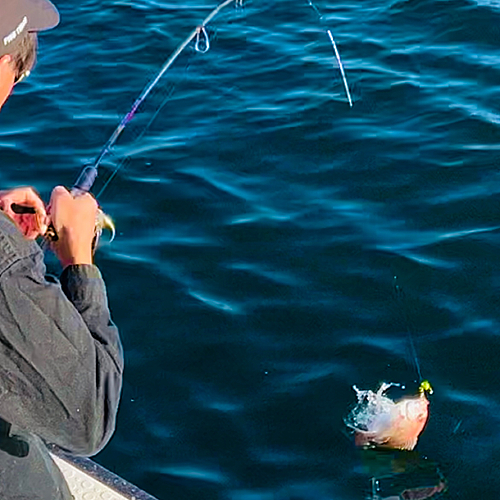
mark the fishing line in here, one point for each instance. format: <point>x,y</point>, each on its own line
<point>337,55</point>
<point>88,174</point>
<point>402,298</point>
<point>125,161</point>
<point>315,9</point>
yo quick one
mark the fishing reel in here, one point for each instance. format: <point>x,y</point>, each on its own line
<point>103,221</point>
<point>82,186</point>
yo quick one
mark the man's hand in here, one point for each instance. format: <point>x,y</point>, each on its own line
<point>74,222</point>
<point>31,225</point>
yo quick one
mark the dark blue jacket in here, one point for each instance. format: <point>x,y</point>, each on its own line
<point>61,364</point>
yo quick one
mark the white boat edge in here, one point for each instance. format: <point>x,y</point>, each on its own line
<point>88,480</point>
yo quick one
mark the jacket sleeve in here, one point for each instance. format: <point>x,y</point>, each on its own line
<point>61,359</point>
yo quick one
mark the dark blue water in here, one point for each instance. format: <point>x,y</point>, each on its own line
<point>261,222</point>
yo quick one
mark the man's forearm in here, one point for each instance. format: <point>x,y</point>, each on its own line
<point>60,355</point>
<point>85,288</point>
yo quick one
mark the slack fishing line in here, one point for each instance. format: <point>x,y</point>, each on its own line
<point>337,55</point>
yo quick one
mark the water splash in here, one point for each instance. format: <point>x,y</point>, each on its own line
<point>379,421</point>
<point>373,410</point>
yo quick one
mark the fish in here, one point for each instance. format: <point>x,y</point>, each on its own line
<point>378,421</point>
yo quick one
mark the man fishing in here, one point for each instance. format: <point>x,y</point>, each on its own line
<point>61,358</point>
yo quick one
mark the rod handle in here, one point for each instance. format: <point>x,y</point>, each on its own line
<point>85,180</point>
<point>22,209</point>
<point>82,185</point>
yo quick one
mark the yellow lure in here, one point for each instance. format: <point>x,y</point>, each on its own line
<point>425,386</point>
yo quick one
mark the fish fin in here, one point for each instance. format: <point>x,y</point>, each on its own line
<point>410,444</point>
<point>369,439</point>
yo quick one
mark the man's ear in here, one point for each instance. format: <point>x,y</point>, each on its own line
<point>7,76</point>
<point>6,68</point>
<point>6,59</point>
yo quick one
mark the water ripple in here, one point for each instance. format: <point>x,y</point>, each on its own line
<point>261,222</point>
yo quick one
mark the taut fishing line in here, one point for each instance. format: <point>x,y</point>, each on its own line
<point>379,421</point>
<point>400,295</point>
<point>127,159</point>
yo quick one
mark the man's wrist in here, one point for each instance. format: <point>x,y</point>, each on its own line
<point>74,260</point>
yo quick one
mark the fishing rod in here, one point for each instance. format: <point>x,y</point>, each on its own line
<point>89,173</point>
<point>195,34</point>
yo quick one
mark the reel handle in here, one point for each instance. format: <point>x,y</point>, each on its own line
<point>102,221</point>
<point>82,185</point>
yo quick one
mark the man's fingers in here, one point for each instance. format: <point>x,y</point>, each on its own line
<point>60,192</point>
<point>25,207</point>
<point>60,195</point>
<point>6,205</point>
<point>29,197</point>
<point>23,197</point>
<point>31,226</point>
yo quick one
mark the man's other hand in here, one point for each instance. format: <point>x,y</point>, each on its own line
<point>73,219</point>
<point>31,225</point>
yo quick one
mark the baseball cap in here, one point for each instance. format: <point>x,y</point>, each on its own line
<point>18,17</point>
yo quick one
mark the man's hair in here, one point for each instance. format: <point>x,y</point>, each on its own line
<point>24,54</point>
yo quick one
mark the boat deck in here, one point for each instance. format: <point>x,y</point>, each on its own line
<point>90,481</point>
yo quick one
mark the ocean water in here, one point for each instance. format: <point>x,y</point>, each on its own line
<point>264,224</point>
